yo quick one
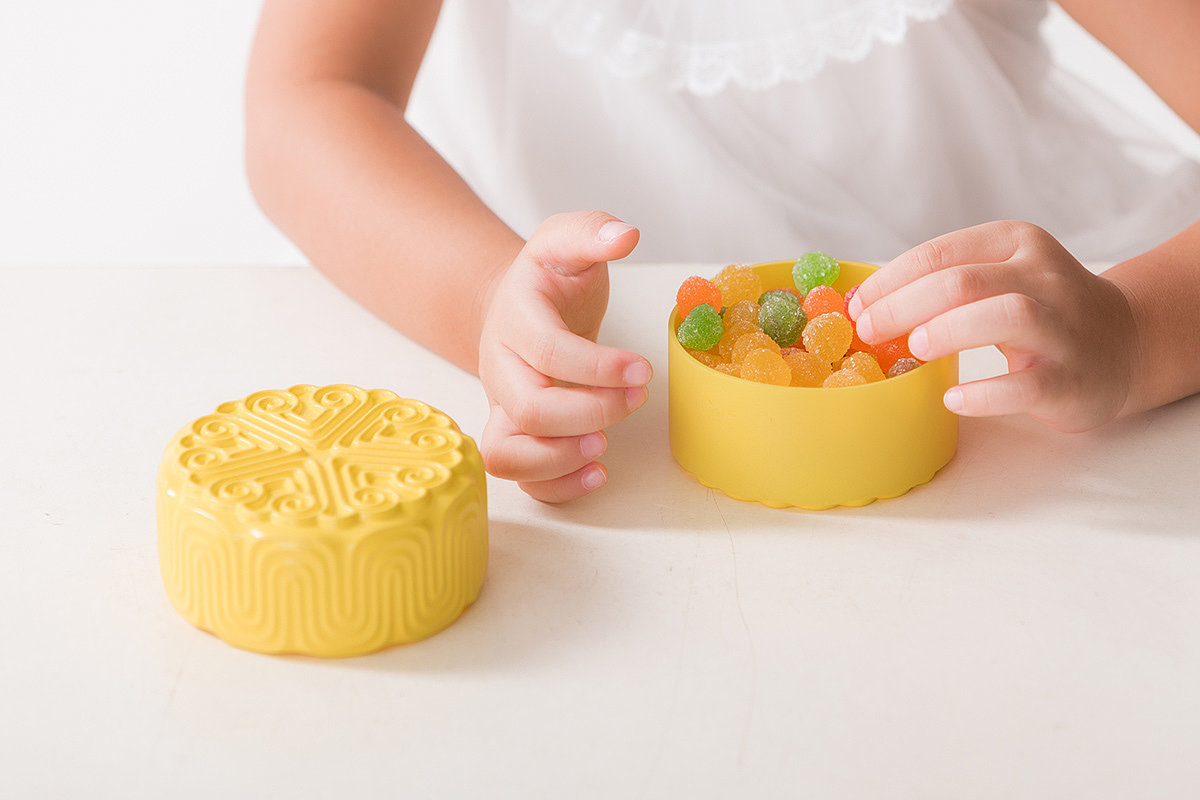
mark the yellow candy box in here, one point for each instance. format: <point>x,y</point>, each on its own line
<point>814,448</point>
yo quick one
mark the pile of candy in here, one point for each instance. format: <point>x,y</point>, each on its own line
<point>791,336</point>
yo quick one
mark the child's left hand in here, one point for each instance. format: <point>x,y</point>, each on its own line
<point>1068,334</point>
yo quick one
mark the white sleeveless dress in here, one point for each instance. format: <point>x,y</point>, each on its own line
<point>747,131</point>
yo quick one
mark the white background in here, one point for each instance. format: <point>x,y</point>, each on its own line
<point>120,140</point>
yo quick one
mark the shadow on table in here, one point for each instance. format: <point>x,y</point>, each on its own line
<point>541,591</point>
<point>1138,474</point>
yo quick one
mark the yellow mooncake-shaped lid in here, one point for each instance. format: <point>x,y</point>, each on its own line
<point>329,521</point>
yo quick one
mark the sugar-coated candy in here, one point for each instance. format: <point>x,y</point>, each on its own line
<point>727,368</point>
<point>823,300</point>
<point>846,300</point>
<point>902,366</point>
<point>781,318</point>
<point>814,269</point>
<point>701,329</point>
<point>844,377</point>
<point>864,364</point>
<point>891,351</point>
<point>706,357</point>
<point>747,343</point>
<point>765,366</point>
<point>738,282</point>
<point>741,311</point>
<point>694,291</point>
<point>828,336</point>
<point>732,333</point>
<point>807,369</point>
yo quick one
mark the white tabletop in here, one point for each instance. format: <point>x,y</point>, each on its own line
<point>1025,625</point>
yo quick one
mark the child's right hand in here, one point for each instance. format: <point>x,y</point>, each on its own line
<point>551,388</point>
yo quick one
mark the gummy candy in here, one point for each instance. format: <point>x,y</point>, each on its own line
<point>742,311</point>
<point>781,318</point>
<point>846,300</point>
<point>902,366</point>
<point>807,369</point>
<point>732,333</point>
<point>701,329</point>
<point>814,269</point>
<point>765,366</point>
<point>823,300</point>
<point>828,336</point>
<point>864,364</point>
<point>844,377</point>
<point>754,340</point>
<point>727,368</point>
<point>891,351</point>
<point>694,291</point>
<point>708,359</point>
<point>738,282</point>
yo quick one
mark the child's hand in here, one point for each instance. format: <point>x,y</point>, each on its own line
<point>552,389</point>
<point>1068,334</point>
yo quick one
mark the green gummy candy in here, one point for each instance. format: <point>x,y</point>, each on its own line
<point>701,329</point>
<point>814,269</point>
<point>781,317</point>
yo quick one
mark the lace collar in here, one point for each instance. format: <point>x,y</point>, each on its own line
<point>703,46</point>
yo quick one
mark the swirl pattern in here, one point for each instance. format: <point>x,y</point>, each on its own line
<point>328,521</point>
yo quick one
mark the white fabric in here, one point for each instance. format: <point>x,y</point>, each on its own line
<point>704,45</point>
<point>964,120</point>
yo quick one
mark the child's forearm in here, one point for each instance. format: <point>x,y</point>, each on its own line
<point>375,208</point>
<point>1163,289</point>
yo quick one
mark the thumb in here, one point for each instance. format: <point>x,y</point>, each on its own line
<point>572,242</point>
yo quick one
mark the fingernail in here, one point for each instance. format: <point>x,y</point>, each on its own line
<point>593,445</point>
<point>593,478</point>
<point>634,397</point>
<point>610,230</point>
<point>637,373</point>
<point>918,344</point>
<point>953,398</point>
<point>863,325</point>
<point>855,307</point>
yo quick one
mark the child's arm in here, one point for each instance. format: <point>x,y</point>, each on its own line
<point>1082,349</point>
<point>335,165</point>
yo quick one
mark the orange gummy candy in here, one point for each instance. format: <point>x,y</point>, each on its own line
<point>807,369</point>
<point>891,351</point>
<point>765,366</point>
<point>755,340</point>
<point>738,282</point>
<point>694,291</point>
<point>742,311</point>
<point>732,333</point>
<point>823,300</point>
<point>844,377</point>
<point>864,364</point>
<point>828,336</point>
<point>707,358</point>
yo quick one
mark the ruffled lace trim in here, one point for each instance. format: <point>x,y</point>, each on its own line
<point>703,46</point>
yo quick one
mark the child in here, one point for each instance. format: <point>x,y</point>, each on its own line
<point>734,131</point>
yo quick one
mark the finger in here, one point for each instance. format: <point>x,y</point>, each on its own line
<point>1015,319</point>
<point>515,456</point>
<point>551,349</point>
<point>572,242</point>
<point>990,242</point>
<point>568,487</point>
<point>540,409</point>
<point>914,303</point>
<point>1013,393</point>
